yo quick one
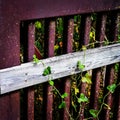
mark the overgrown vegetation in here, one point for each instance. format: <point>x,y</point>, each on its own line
<point>78,99</point>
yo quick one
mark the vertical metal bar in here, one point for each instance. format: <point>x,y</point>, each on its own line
<point>86,22</point>
<point>10,106</point>
<point>85,29</point>
<point>114,27</point>
<point>110,69</point>
<point>118,97</point>
<point>118,110</point>
<point>97,75</point>
<point>101,27</point>
<point>30,99</point>
<point>116,100</point>
<point>67,47</point>
<point>68,35</point>
<point>95,89</point>
<point>9,56</point>
<point>49,52</point>
<point>31,40</point>
<point>27,41</point>
<point>109,80</point>
<point>30,91</point>
<point>49,38</point>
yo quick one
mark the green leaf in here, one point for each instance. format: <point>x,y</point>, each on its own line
<point>116,67</point>
<point>62,105</point>
<point>51,83</point>
<point>87,78</point>
<point>82,98</point>
<point>38,25</point>
<point>76,90</point>
<point>47,71</point>
<point>111,88</point>
<point>35,59</point>
<point>80,66</point>
<point>64,95</point>
<point>93,112</point>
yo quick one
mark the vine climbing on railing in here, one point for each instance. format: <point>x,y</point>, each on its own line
<point>79,98</point>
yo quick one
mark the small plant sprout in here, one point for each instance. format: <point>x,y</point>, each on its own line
<point>87,78</point>
<point>35,59</point>
<point>82,98</point>
<point>111,88</point>
<point>80,66</point>
<point>51,83</point>
<point>62,105</point>
<point>93,112</point>
<point>47,71</point>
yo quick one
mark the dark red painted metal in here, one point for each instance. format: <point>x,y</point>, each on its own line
<point>85,29</point>
<point>30,99</point>
<point>116,25</point>
<point>110,69</point>
<point>37,53</point>
<point>68,34</point>
<point>116,101</point>
<point>32,9</point>
<point>109,80</point>
<point>67,99</point>
<point>116,33</point>
<point>31,51</point>
<point>9,55</point>
<point>97,73</point>
<point>67,47</point>
<point>118,110</point>
<point>49,52</point>
<point>86,20</point>
<point>11,14</point>
<point>50,36</point>
<point>101,27</point>
<point>95,89</point>
<point>27,42</point>
<point>31,40</point>
<point>10,106</point>
<point>9,37</point>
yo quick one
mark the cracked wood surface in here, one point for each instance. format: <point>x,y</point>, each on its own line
<point>30,74</point>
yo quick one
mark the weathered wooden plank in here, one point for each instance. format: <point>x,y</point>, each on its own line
<point>29,74</point>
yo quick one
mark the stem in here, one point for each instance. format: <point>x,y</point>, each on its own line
<point>104,102</point>
<point>79,112</point>
<point>102,105</point>
<point>62,100</point>
<point>57,91</point>
<point>71,118</point>
<point>118,84</point>
<point>96,42</point>
<point>88,118</point>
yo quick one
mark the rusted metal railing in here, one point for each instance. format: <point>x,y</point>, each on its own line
<point>17,20</point>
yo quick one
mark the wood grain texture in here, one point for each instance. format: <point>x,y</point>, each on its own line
<point>30,74</point>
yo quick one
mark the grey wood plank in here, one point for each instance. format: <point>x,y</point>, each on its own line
<point>30,74</point>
